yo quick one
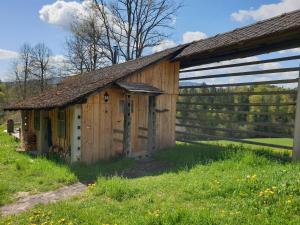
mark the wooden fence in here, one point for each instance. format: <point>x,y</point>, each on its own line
<point>223,111</point>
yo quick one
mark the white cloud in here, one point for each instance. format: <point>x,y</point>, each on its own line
<point>6,54</point>
<point>164,44</point>
<point>188,37</point>
<point>266,11</point>
<point>57,59</point>
<point>62,13</point>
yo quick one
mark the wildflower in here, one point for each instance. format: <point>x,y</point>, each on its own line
<point>289,201</point>
<point>62,220</point>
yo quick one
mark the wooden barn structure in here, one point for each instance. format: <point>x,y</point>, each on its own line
<point>130,108</point>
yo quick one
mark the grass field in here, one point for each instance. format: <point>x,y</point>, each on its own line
<point>21,173</point>
<point>204,184</point>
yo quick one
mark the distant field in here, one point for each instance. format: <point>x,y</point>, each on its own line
<point>277,141</point>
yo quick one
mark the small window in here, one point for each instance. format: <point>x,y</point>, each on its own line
<point>37,119</point>
<point>61,123</point>
<point>122,106</point>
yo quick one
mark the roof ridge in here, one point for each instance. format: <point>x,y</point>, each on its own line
<point>247,26</point>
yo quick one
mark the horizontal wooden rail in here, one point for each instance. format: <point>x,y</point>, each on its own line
<point>143,128</point>
<point>233,105</point>
<point>142,137</point>
<point>289,92</point>
<point>248,73</point>
<point>200,136</point>
<point>241,123</point>
<point>118,131</point>
<point>255,133</point>
<point>234,112</point>
<point>287,81</point>
<point>289,58</point>
<point>117,140</point>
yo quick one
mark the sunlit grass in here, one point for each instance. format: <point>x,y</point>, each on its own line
<point>22,173</point>
<point>206,184</point>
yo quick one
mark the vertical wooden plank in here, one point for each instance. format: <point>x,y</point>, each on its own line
<point>296,152</point>
<point>101,146</point>
<point>176,84</point>
<point>127,126</point>
<point>152,124</point>
<point>86,151</point>
<point>96,126</point>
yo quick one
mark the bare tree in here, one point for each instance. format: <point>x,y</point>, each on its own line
<point>134,25</point>
<point>22,69</point>
<point>84,46</point>
<point>40,63</point>
<point>130,26</point>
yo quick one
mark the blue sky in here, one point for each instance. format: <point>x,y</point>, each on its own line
<point>21,22</point>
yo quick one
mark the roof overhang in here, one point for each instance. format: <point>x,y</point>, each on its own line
<point>270,35</point>
<point>286,40</point>
<point>139,88</point>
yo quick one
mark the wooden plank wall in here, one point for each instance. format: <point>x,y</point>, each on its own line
<point>102,122</point>
<point>102,125</point>
<point>64,143</point>
<point>164,76</point>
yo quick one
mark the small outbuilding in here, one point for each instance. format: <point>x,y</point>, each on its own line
<point>125,109</point>
<point>130,108</point>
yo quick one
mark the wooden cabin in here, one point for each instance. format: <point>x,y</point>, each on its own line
<point>126,109</point>
<point>130,108</point>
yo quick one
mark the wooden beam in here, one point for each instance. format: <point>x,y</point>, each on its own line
<point>127,126</point>
<point>226,130</point>
<point>233,112</point>
<point>296,153</point>
<point>187,138</point>
<point>243,64</point>
<point>247,73</point>
<point>287,81</point>
<point>214,105</point>
<point>283,41</point>
<point>288,92</point>
<point>152,124</point>
<point>234,122</point>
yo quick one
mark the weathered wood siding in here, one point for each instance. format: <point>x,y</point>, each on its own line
<point>63,143</point>
<point>102,122</point>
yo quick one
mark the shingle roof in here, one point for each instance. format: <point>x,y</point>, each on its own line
<point>265,28</point>
<point>75,88</point>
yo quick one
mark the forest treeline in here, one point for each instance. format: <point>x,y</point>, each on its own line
<point>250,115</point>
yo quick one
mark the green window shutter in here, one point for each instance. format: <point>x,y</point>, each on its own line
<point>61,126</point>
<point>37,120</point>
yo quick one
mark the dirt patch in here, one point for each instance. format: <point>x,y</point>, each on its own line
<point>26,202</point>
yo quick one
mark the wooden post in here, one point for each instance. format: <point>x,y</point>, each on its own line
<point>152,124</point>
<point>127,126</point>
<point>296,153</point>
